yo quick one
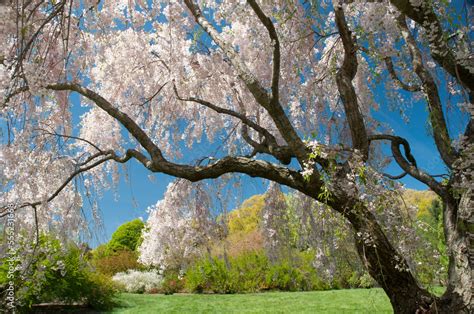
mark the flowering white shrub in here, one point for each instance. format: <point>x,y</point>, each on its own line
<point>135,281</point>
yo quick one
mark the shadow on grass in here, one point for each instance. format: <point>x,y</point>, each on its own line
<point>62,308</point>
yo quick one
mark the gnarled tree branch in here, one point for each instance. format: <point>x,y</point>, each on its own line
<point>408,162</point>
<point>436,116</point>
<point>273,108</point>
<point>394,76</point>
<point>425,16</point>
<point>344,78</point>
<point>267,22</point>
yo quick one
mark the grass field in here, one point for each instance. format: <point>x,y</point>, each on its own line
<point>334,301</point>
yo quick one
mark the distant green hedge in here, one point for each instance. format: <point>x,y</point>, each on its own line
<point>253,272</point>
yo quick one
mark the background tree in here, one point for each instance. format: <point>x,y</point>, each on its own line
<point>179,229</point>
<point>276,225</point>
<point>244,228</point>
<point>128,236</point>
<point>121,252</point>
<point>294,80</point>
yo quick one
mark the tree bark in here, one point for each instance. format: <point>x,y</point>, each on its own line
<point>382,260</point>
<point>458,229</point>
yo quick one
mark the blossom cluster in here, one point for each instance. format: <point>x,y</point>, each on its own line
<point>137,281</point>
<point>179,227</point>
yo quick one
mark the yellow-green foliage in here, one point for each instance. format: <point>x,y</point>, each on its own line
<point>119,261</point>
<point>247,218</point>
<point>421,199</point>
<point>240,242</point>
<point>244,234</point>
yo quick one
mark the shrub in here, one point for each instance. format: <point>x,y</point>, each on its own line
<point>209,275</point>
<point>248,271</point>
<point>120,261</point>
<point>252,272</point>
<point>218,277</point>
<point>282,276</point>
<point>102,291</point>
<point>310,279</point>
<point>196,280</point>
<point>172,283</point>
<point>136,281</point>
<point>127,238</point>
<point>57,273</point>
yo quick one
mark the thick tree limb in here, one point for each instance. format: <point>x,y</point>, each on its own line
<point>267,22</point>
<point>394,76</point>
<point>344,78</point>
<point>408,162</point>
<point>425,16</point>
<point>436,116</point>
<point>274,109</point>
<point>251,167</point>
<point>159,164</point>
<point>124,119</point>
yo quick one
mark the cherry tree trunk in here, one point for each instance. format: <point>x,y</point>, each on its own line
<point>459,233</point>
<point>388,267</point>
<point>383,262</point>
<point>381,259</point>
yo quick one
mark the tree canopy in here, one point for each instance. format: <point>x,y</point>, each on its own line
<point>288,91</point>
<point>127,236</point>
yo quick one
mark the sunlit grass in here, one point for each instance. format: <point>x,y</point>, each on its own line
<point>334,301</point>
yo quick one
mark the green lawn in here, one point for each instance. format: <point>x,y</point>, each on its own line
<point>334,301</point>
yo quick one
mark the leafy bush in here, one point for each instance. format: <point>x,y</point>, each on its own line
<point>295,274</point>
<point>57,273</point>
<point>282,276</point>
<point>172,283</point>
<point>248,271</point>
<point>127,238</point>
<point>120,261</point>
<point>311,280</point>
<point>101,292</point>
<point>252,272</point>
<point>209,275</point>
<point>136,281</point>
